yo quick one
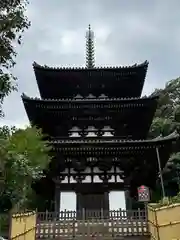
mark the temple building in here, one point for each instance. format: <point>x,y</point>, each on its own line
<point>98,124</point>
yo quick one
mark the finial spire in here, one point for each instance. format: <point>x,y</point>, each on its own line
<point>90,60</point>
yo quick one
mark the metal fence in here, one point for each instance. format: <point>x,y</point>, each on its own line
<point>66,225</point>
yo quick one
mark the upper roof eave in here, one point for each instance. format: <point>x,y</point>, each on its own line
<point>134,66</point>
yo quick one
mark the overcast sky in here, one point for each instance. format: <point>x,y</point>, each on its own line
<point>126,32</point>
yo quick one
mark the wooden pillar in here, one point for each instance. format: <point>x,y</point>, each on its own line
<point>57,198</point>
<point>106,205</point>
<point>128,199</point>
<point>79,208</point>
<point>127,195</point>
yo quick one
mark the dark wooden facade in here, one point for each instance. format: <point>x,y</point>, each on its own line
<point>98,112</point>
<point>98,125</point>
<point>123,82</point>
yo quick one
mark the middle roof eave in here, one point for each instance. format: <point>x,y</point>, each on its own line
<point>27,99</point>
<point>98,141</point>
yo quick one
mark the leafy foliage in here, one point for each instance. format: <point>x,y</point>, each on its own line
<point>13,22</point>
<point>24,154</point>
<point>162,126</point>
<point>167,201</point>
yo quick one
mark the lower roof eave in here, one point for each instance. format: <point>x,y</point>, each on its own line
<point>112,144</point>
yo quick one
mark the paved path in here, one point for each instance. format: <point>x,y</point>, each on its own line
<point>135,238</point>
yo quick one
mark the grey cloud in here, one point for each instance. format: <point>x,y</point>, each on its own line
<point>126,32</point>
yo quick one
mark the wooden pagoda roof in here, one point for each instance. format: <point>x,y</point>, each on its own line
<point>112,81</point>
<point>127,154</point>
<point>104,143</point>
<point>69,103</point>
<point>135,113</point>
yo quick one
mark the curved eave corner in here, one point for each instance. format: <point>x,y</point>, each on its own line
<point>171,137</point>
<point>25,98</point>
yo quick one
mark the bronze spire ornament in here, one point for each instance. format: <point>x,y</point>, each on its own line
<point>90,60</point>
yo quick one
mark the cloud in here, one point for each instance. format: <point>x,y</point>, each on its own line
<point>126,32</point>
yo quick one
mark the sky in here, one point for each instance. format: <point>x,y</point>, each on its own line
<point>126,32</point>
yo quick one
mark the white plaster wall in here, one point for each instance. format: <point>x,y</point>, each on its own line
<point>68,201</point>
<point>116,200</point>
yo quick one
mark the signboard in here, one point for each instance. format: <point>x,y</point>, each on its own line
<point>143,194</point>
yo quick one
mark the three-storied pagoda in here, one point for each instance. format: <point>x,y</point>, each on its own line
<point>98,124</point>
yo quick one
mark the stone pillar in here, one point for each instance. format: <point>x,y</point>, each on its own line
<point>57,198</point>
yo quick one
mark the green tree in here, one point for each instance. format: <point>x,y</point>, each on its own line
<point>25,155</point>
<point>167,120</point>
<point>162,126</point>
<point>172,169</point>
<point>167,116</point>
<point>13,22</point>
<point>169,100</point>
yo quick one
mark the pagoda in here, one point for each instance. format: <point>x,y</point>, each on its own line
<point>98,124</point>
